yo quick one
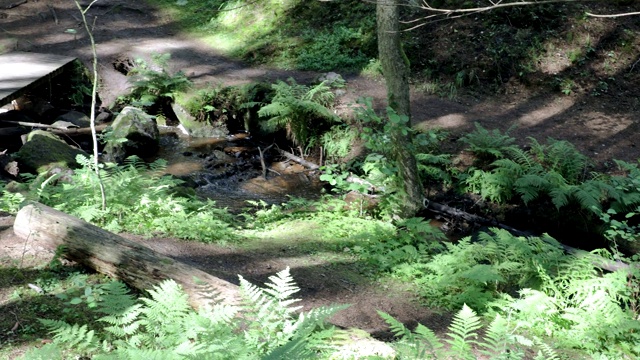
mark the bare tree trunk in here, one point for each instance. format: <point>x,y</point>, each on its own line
<point>395,68</point>
<point>110,254</point>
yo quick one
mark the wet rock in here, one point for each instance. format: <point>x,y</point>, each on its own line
<point>217,159</point>
<point>359,201</point>
<point>239,151</point>
<point>104,117</point>
<point>43,150</point>
<point>141,134</point>
<point>76,118</point>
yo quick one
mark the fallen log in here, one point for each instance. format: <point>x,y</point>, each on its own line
<point>110,254</point>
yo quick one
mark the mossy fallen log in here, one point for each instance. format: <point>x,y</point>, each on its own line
<point>115,256</point>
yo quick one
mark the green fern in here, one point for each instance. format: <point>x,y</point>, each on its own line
<point>463,333</point>
<point>77,337</point>
<point>500,340</point>
<point>150,85</point>
<point>488,145</point>
<point>295,107</point>
<point>416,344</point>
<point>163,326</point>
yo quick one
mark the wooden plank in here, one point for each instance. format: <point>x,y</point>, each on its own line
<point>23,71</point>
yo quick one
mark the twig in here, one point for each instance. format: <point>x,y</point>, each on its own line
<point>298,159</point>
<point>23,123</point>
<point>264,166</point>
<point>634,65</point>
<point>53,12</point>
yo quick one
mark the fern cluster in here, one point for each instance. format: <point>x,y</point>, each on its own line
<point>465,340</point>
<point>581,307</point>
<point>140,200</point>
<point>298,109</point>
<point>153,83</point>
<point>555,171</point>
<point>489,145</point>
<point>164,326</point>
<point>475,272</point>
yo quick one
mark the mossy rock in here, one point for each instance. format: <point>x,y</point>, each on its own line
<point>133,133</point>
<point>44,150</point>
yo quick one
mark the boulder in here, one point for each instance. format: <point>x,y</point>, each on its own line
<point>44,151</point>
<point>134,133</point>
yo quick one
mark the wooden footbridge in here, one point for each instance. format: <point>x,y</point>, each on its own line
<point>21,72</point>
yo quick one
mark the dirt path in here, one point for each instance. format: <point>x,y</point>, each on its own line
<point>604,127</point>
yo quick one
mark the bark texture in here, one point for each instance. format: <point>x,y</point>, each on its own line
<point>395,68</point>
<point>115,256</point>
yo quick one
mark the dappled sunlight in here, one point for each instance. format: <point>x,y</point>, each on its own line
<point>547,111</point>
<point>601,126</point>
<point>450,121</point>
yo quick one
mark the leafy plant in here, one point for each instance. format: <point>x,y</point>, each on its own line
<point>581,307</point>
<point>163,325</point>
<point>338,142</point>
<point>235,107</point>
<point>489,145</point>
<point>476,272</point>
<point>332,50</point>
<point>556,170</point>
<point>296,107</point>
<point>465,339</point>
<point>142,201</point>
<point>152,84</point>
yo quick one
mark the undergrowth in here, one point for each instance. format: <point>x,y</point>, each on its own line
<point>141,200</point>
<point>164,326</point>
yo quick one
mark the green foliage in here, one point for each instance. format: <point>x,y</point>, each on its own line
<point>10,201</point>
<point>487,145</point>
<point>153,83</point>
<point>331,50</point>
<point>164,326</point>
<point>379,167</point>
<point>298,109</point>
<point>338,142</point>
<point>476,272</point>
<point>580,307</point>
<point>465,338</point>
<point>230,105</point>
<point>556,171</point>
<point>141,201</point>
<point>627,196</point>
<point>402,250</point>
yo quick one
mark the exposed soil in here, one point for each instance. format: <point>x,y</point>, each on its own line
<point>604,127</point>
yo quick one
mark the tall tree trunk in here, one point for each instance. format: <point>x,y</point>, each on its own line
<point>395,68</point>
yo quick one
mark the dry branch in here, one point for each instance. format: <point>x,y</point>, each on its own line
<point>299,160</point>
<point>115,256</point>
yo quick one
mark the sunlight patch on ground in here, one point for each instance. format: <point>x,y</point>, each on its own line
<point>450,121</point>
<point>600,124</point>
<point>537,117</point>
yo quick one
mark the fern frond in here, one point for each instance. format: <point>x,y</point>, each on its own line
<point>398,329</point>
<point>281,287</point>
<point>463,333</point>
<point>77,337</point>
<point>546,352</point>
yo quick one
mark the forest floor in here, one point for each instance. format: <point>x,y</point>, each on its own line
<point>605,127</point>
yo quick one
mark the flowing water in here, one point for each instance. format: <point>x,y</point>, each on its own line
<point>229,171</point>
